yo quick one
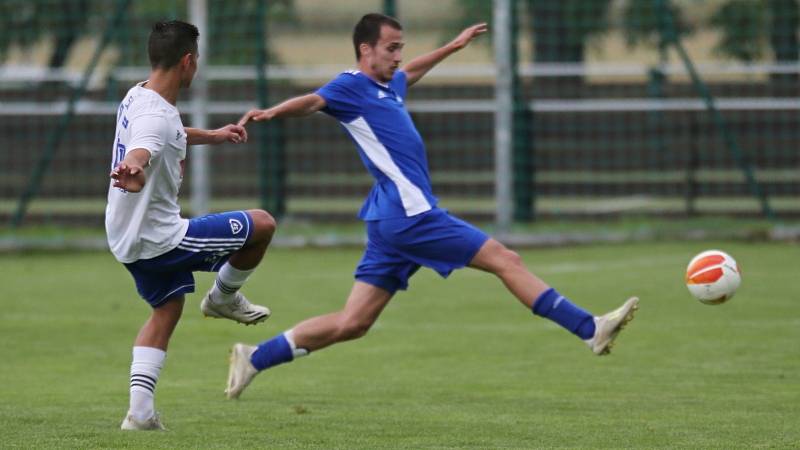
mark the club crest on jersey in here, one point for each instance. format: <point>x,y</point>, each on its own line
<point>236,226</point>
<point>382,94</point>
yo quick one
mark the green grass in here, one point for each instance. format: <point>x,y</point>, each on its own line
<point>450,364</point>
<point>609,205</point>
<point>315,233</point>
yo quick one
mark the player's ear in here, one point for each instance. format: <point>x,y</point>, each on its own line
<point>187,60</point>
<point>365,49</point>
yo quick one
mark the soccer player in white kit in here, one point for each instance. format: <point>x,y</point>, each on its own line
<point>145,230</point>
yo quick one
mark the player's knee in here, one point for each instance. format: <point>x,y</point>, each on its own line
<point>264,224</point>
<point>168,313</point>
<point>351,328</point>
<point>513,259</point>
<point>510,261</point>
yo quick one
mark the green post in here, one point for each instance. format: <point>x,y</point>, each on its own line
<point>55,138</point>
<point>657,81</point>
<point>390,8</point>
<point>691,167</point>
<point>271,154</point>
<point>655,119</point>
<point>522,139</point>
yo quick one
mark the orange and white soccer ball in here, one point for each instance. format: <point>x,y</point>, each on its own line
<point>713,277</point>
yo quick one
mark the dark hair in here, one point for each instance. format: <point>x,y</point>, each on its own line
<point>170,41</point>
<point>368,30</point>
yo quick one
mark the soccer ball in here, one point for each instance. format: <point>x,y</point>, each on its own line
<point>713,277</point>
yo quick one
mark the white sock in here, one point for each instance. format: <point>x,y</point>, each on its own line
<point>146,365</point>
<point>296,352</point>
<point>229,280</point>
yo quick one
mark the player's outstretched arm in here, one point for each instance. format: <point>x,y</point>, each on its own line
<point>419,66</point>
<point>235,134</point>
<point>129,174</point>
<point>303,105</point>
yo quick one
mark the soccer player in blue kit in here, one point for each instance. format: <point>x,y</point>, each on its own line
<point>405,228</point>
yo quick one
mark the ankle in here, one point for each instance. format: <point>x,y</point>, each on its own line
<point>221,298</point>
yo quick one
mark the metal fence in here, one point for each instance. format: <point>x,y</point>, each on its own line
<point>598,109</point>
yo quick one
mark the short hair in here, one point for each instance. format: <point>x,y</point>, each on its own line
<point>170,41</point>
<point>368,30</point>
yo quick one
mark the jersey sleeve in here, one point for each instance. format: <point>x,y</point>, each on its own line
<point>399,83</point>
<point>148,131</point>
<point>341,97</point>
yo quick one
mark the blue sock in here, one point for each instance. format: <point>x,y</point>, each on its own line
<point>272,352</point>
<point>560,310</point>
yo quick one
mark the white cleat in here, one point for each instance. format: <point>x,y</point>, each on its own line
<point>151,424</point>
<point>608,326</point>
<point>239,310</point>
<point>241,371</point>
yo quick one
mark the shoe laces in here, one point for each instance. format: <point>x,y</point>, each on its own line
<point>239,302</point>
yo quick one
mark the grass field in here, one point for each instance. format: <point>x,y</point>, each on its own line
<point>450,364</point>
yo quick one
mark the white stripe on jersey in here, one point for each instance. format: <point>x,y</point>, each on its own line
<point>414,201</point>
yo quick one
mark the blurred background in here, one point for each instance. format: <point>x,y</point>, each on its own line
<point>573,116</point>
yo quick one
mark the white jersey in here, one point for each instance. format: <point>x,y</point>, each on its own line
<point>146,224</point>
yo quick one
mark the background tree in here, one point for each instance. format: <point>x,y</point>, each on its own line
<point>643,22</point>
<point>561,30</point>
<point>742,25</point>
<point>26,22</point>
<point>748,27</point>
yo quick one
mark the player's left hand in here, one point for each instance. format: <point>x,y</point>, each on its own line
<point>129,177</point>
<point>469,34</point>
<point>235,134</point>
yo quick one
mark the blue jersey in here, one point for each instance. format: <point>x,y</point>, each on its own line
<point>389,144</point>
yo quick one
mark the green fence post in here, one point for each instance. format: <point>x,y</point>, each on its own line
<point>691,167</point>
<point>271,154</point>
<point>390,8</point>
<point>55,138</point>
<point>522,138</point>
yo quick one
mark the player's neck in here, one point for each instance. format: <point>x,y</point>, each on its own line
<point>166,84</point>
<point>371,74</point>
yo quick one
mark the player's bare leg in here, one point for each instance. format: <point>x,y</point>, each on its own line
<point>598,332</point>
<point>364,304</point>
<point>158,329</point>
<point>224,299</point>
<point>507,265</point>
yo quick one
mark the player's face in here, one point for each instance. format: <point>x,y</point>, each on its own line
<point>384,59</point>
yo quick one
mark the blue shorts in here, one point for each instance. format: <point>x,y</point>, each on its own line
<point>207,245</point>
<point>396,248</point>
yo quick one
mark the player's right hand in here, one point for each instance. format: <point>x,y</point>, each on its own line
<point>256,115</point>
<point>128,177</point>
<point>469,34</point>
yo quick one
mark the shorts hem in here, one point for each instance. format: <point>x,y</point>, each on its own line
<point>185,289</point>
<point>390,284</point>
<point>474,252</point>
